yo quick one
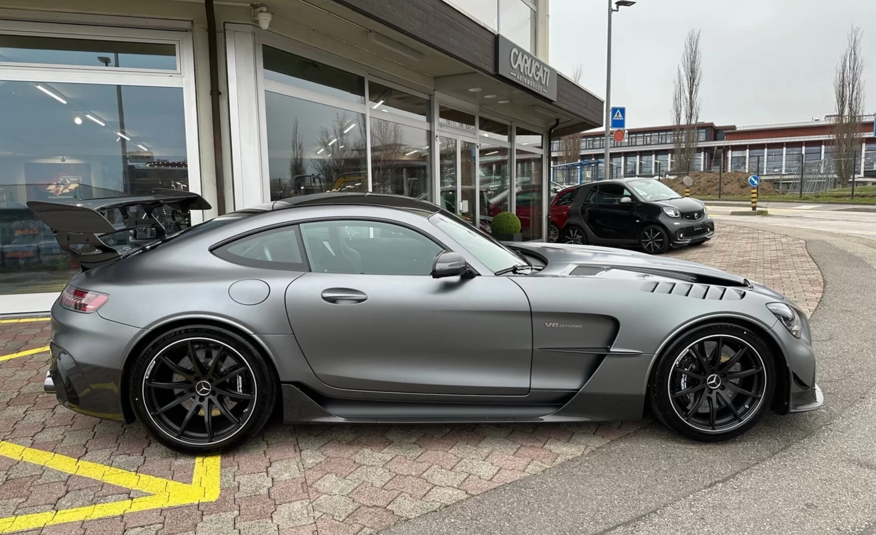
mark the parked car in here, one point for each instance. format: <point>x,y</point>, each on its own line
<point>637,212</point>
<point>559,212</point>
<point>345,308</point>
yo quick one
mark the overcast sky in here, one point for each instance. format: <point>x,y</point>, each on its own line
<point>764,61</point>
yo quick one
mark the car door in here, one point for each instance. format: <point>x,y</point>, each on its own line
<point>560,207</point>
<point>609,216</point>
<point>369,316</point>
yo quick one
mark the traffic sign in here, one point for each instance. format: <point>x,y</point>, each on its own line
<point>753,181</point>
<point>618,118</point>
<point>619,135</point>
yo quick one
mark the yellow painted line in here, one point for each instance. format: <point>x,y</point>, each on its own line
<point>25,320</point>
<point>43,349</point>
<point>205,487</point>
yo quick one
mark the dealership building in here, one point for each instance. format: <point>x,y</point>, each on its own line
<point>452,101</point>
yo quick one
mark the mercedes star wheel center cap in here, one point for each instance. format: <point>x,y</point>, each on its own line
<point>713,381</point>
<point>203,388</point>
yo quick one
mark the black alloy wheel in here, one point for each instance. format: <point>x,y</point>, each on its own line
<point>553,233</point>
<point>654,240</point>
<point>574,235</point>
<point>202,389</point>
<point>715,383</point>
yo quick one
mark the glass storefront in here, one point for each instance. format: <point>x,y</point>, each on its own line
<point>399,159</point>
<point>76,141</point>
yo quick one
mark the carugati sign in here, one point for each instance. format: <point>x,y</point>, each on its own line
<point>518,65</point>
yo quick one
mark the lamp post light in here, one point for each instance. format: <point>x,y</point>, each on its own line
<point>618,4</point>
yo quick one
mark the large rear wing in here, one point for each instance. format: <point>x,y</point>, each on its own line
<point>80,227</point>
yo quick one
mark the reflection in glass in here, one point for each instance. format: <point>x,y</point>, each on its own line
<point>529,195</point>
<point>494,129</point>
<point>85,52</point>
<point>495,177</point>
<point>313,76</point>
<point>468,170</point>
<point>456,119</point>
<point>517,23</point>
<point>66,145</point>
<point>391,100</point>
<point>529,138</point>
<point>447,172</point>
<point>399,159</point>
<point>313,148</point>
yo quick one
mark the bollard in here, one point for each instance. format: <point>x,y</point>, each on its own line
<point>687,192</point>
<point>754,199</point>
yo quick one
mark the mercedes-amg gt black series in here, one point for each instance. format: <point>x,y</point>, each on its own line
<point>626,213</point>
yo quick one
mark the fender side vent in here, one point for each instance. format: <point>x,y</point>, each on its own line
<point>695,291</point>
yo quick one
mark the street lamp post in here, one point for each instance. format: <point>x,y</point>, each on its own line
<point>619,4</point>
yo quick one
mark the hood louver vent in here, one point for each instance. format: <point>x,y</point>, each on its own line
<point>696,291</point>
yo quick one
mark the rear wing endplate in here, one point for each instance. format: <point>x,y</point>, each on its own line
<point>79,227</point>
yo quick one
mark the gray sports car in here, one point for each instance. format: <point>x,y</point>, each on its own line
<point>376,308</point>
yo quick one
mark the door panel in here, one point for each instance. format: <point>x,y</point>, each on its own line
<point>610,219</point>
<point>413,333</point>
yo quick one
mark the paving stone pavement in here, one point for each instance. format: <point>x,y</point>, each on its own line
<point>313,479</point>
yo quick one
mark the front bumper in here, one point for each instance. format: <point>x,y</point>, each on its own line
<point>87,359</point>
<point>806,400</point>
<point>683,232</point>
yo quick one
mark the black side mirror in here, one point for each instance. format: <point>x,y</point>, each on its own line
<point>449,264</point>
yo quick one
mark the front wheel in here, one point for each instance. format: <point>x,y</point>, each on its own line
<point>202,389</point>
<point>654,239</point>
<point>714,383</point>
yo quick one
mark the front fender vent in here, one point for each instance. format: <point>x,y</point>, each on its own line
<point>696,291</point>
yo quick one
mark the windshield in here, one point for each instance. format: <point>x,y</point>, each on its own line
<point>488,251</point>
<point>652,190</point>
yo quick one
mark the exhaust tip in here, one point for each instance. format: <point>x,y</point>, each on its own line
<point>49,383</point>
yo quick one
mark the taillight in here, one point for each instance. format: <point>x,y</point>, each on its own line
<point>79,300</point>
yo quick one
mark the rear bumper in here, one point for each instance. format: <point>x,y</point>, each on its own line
<point>87,359</point>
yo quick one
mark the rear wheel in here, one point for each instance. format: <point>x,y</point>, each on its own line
<point>553,233</point>
<point>574,234</point>
<point>714,383</point>
<point>202,389</point>
<point>654,239</point>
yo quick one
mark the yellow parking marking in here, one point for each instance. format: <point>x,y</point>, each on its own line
<point>25,320</point>
<point>204,487</point>
<point>43,349</point>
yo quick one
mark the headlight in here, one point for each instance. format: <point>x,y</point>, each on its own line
<point>671,212</point>
<point>788,316</point>
<point>705,209</point>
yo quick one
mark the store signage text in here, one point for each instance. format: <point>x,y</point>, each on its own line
<point>525,69</point>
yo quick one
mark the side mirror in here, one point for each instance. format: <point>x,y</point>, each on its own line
<point>626,200</point>
<point>449,264</point>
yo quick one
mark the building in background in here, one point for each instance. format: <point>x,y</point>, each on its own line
<point>776,152</point>
<point>449,101</point>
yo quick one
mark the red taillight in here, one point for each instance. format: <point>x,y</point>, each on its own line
<point>82,300</point>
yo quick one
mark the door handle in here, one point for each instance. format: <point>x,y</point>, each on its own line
<point>343,296</point>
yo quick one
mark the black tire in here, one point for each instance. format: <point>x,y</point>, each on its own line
<point>553,233</point>
<point>574,234</point>
<point>713,398</point>
<point>208,404</point>
<point>654,239</point>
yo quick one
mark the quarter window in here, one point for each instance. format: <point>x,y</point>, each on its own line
<point>368,247</point>
<point>272,249</point>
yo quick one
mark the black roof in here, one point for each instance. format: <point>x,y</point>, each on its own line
<point>361,199</point>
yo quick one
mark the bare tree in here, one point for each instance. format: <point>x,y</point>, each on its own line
<point>570,145</point>
<point>342,152</point>
<point>686,104</point>
<point>296,166</point>
<point>848,89</point>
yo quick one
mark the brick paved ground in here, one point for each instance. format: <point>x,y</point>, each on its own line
<point>778,261</point>
<point>317,479</point>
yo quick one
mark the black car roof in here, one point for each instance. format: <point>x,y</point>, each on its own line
<point>361,199</point>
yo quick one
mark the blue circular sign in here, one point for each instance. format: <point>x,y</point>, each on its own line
<point>754,180</point>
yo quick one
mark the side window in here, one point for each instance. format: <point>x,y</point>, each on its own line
<point>272,249</point>
<point>611,194</point>
<point>566,198</point>
<point>368,247</point>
